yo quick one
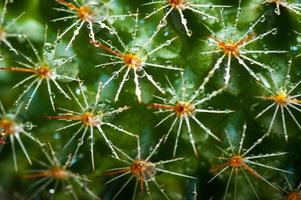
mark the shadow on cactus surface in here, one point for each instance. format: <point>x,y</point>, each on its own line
<point>150,99</point>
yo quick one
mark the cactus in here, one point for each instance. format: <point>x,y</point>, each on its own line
<point>150,99</point>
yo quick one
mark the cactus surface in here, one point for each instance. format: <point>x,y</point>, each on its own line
<point>150,99</point>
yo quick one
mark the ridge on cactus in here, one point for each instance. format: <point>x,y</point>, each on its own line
<point>143,170</point>
<point>5,26</point>
<point>184,105</point>
<point>56,173</point>
<point>13,128</point>
<point>284,98</point>
<point>91,115</point>
<point>236,159</point>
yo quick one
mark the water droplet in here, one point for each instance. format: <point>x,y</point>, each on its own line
<point>56,136</point>
<point>91,140</point>
<point>277,10</point>
<point>80,141</point>
<point>239,11</point>
<point>112,31</point>
<point>28,126</point>
<point>204,17</point>
<point>76,32</point>
<point>262,19</point>
<point>51,191</point>
<point>274,31</point>
<point>48,48</point>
